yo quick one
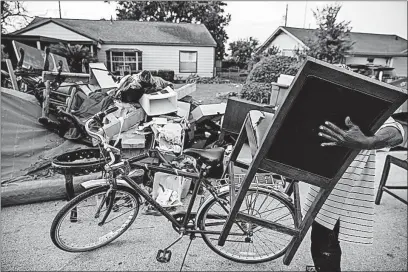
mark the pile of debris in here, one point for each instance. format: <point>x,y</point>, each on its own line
<point>151,113</point>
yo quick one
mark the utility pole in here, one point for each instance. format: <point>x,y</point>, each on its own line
<point>59,6</point>
<point>286,16</point>
<point>304,17</point>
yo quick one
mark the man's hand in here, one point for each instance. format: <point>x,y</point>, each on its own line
<point>352,138</point>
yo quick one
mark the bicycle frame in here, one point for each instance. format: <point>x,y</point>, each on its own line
<point>197,178</point>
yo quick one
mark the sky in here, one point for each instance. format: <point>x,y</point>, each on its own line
<point>258,19</point>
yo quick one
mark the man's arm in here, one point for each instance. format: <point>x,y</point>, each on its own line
<point>385,137</point>
<point>355,138</point>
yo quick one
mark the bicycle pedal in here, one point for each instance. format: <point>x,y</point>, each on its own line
<point>163,255</point>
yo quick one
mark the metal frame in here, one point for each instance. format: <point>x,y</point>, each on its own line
<point>386,188</point>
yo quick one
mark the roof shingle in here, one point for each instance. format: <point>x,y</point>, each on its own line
<point>365,43</point>
<point>134,32</point>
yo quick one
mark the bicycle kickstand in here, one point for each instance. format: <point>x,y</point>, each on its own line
<point>164,255</point>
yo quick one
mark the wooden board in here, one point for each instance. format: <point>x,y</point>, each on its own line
<point>323,92</point>
<point>99,75</point>
<point>35,58</point>
<point>66,77</point>
<point>12,75</point>
<point>236,112</point>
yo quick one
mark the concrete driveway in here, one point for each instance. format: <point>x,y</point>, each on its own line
<point>26,244</point>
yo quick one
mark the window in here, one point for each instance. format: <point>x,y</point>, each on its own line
<point>188,61</point>
<point>121,62</point>
<point>370,60</point>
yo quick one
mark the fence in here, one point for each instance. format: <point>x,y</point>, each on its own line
<point>235,75</point>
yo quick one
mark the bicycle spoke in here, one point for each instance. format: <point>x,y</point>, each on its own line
<point>118,216</point>
<point>255,244</point>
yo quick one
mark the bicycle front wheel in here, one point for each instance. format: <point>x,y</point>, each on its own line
<point>248,242</point>
<point>76,227</point>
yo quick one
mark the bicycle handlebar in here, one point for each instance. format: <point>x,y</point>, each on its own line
<point>98,118</point>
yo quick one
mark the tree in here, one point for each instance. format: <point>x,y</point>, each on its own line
<point>11,10</point>
<point>74,55</point>
<point>242,50</point>
<point>331,42</point>
<point>271,51</point>
<point>209,13</point>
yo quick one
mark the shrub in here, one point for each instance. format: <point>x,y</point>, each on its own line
<point>269,68</point>
<point>257,91</point>
<point>258,83</point>
<point>74,55</point>
<point>166,75</point>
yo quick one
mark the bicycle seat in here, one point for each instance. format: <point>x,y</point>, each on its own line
<point>211,156</point>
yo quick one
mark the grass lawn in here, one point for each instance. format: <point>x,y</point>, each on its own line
<point>207,93</point>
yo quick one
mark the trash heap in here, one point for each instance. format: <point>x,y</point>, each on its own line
<point>151,114</point>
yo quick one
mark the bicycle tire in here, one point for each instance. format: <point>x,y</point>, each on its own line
<point>232,250</point>
<point>81,230</point>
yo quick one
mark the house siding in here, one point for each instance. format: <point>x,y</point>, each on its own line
<point>157,57</point>
<point>55,31</point>
<point>400,66</point>
<point>286,44</point>
<point>363,60</point>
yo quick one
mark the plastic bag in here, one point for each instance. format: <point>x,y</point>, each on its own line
<point>168,198</point>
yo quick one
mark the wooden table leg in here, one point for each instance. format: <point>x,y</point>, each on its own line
<point>46,99</point>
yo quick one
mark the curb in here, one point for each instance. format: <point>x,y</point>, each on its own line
<point>34,191</point>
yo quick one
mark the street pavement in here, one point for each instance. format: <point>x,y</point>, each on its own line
<point>26,243</point>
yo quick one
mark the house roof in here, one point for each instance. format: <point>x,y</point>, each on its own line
<point>364,43</point>
<point>132,32</point>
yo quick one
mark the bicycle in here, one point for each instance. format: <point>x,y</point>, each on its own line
<point>118,198</point>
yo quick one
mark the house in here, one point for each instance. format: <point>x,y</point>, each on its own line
<point>373,49</point>
<point>129,45</point>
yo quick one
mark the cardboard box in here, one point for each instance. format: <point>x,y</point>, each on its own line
<point>133,140</point>
<point>130,119</point>
<point>186,90</point>
<point>162,102</point>
<point>204,112</point>
<point>113,126</point>
<point>183,109</point>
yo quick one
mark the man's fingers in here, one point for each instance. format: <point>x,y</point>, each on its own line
<point>330,132</point>
<point>335,128</point>
<point>348,122</point>
<point>328,137</point>
<point>328,144</point>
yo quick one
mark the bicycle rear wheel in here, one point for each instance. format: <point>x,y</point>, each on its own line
<point>247,242</point>
<point>84,233</point>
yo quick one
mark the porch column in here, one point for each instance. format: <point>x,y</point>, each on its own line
<point>92,51</point>
<point>38,45</point>
<point>111,66</point>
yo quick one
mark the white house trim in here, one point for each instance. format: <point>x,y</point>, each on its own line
<point>294,37</point>
<point>274,34</point>
<point>56,31</point>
